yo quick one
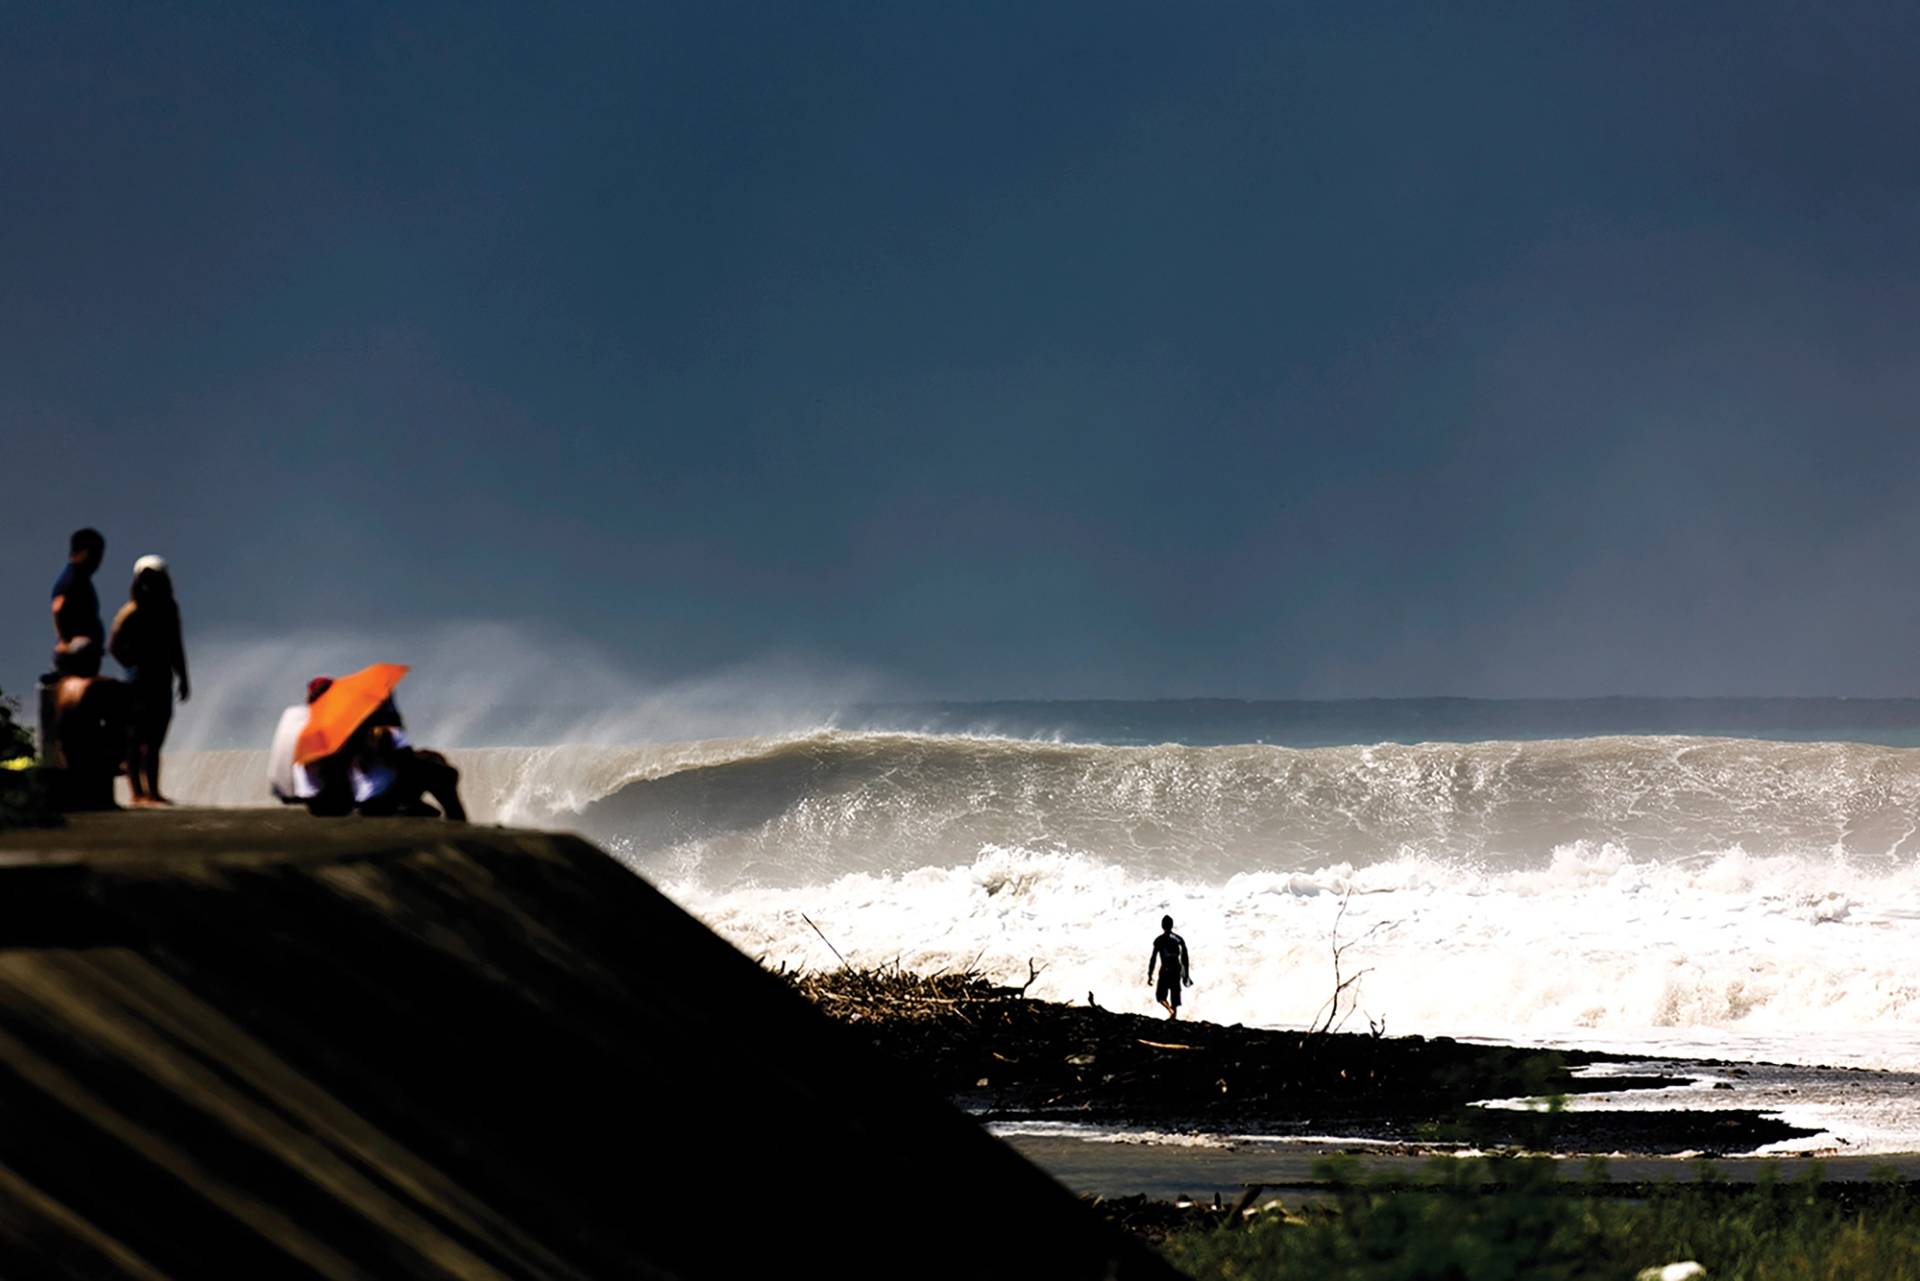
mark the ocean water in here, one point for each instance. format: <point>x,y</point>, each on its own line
<point>1730,878</point>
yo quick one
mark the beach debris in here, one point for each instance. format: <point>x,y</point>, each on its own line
<point>1046,1060</point>
<point>1154,1220</point>
<point>1686,1271</point>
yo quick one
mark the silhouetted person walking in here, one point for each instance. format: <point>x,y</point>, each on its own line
<point>146,640</point>
<point>1170,954</point>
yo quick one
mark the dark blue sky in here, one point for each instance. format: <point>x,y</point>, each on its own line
<point>998,349</point>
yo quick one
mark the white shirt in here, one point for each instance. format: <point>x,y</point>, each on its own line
<point>289,782</point>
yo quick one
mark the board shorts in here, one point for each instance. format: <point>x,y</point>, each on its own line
<point>1168,988</point>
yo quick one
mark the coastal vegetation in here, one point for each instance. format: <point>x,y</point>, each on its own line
<point>15,739</point>
<point>1515,1218</point>
<point>23,799</point>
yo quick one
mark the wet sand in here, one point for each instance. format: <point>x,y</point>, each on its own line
<point>1292,1172</point>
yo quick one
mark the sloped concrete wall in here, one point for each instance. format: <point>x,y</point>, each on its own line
<point>261,1044</point>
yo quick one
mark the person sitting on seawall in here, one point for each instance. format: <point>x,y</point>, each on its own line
<point>89,726</point>
<point>380,773</point>
<point>146,641</point>
<point>290,782</point>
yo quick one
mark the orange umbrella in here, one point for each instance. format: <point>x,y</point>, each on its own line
<point>332,717</point>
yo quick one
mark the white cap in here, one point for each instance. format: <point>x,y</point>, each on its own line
<point>158,564</point>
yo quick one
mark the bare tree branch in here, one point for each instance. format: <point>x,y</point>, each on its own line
<point>1334,1019</point>
<point>1033,972</point>
<point>827,941</point>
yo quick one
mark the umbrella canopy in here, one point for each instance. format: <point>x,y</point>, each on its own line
<point>332,718</point>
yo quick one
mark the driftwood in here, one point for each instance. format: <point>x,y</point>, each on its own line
<point>888,993</point>
<point>1005,1055</point>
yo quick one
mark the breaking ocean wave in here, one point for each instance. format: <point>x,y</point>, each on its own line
<point>1740,895</point>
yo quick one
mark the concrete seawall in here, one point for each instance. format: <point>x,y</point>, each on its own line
<point>255,1043</point>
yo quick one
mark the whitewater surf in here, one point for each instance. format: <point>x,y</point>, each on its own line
<point>1681,892</point>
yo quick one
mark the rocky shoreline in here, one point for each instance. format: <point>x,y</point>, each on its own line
<point>1009,1058</point>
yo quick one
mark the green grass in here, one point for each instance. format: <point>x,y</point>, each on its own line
<point>1451,1225</point>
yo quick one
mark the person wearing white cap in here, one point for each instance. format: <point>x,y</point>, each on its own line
<point>146,641</point>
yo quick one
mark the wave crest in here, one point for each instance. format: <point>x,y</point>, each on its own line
<point>800,809</point>
<point>1598,885</point>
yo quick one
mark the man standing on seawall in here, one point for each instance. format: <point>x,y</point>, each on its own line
<point>76,607</point>
<point>82,715</point>
<point>1170,954</point>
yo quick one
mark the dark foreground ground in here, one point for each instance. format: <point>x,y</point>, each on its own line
<point>256,1044</point>
<point>1218,1176</point>
<point>1010,1059</point>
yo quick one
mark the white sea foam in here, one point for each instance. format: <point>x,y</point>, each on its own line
<point>1597,945</point>
<point>1742,898</point>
